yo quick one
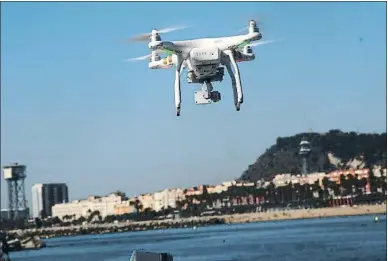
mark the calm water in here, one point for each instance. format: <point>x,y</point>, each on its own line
<point>348,238</point>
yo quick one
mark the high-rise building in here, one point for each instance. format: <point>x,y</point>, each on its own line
<point>44,196</point>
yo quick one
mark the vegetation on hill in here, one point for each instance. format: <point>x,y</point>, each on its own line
<point>283,157</point>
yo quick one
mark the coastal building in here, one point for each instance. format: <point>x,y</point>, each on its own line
<point>284,179</point>
<point>124,208</point>
<point>194,191</point>
<point>217,188</point>
<point>311,178</point>
<point>167,198</point>
<point>104,205</point>
<point>245,184</point>
<point>44,196</point>
<point>335,176</point>
<point>378,172</point>
<point>147,200</point>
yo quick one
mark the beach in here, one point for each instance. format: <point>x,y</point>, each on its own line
<point>298,214</point>
<point>307,213</point>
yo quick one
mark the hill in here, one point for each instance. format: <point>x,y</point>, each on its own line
<point>329,151</point>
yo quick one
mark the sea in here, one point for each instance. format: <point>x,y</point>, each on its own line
<point>327,239</point>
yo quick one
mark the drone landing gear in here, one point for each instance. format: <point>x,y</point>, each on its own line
<point>177,89</point>
<point>206,95</point>
<point>235,78</point>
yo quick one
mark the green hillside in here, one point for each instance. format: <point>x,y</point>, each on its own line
<point>283,157</point>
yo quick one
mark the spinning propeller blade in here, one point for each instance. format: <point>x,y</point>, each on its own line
<point>146,36</point>
<point>171,29</point>
<point>245,28</point>
<point>144,57</point>
<point>262,42</point>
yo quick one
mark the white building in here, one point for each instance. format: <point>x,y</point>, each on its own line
<point>105,205</point>
<point>217,188</point>
<point>283,179</point>
<point>147,200</point>
<point>37,200</point>
<point>166,198</point>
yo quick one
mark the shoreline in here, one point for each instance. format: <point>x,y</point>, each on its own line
<point>361,210</point>
<point>56,232</point>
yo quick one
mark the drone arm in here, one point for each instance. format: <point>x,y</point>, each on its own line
<point>165,46</point>
<point>236,80</point>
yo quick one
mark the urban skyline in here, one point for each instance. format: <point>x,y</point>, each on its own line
<point>279,180</point>
<point>116,204</point>
<point>52,199</point>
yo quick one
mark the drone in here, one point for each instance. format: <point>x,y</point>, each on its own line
<point>204,59</point>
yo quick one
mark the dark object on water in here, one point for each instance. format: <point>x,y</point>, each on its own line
<point>142,255</point>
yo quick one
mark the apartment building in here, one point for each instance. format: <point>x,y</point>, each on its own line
<point>284,179</point>
<point>44,196</point>
<point>147,200</point>
<point>106,205</point>
<point>217,188</point>
<point>124,208</point>
<point>167,198</point>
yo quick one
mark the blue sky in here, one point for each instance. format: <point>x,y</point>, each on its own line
<point>73,112</point>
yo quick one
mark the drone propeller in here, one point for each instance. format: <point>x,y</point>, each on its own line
<point>263,42</point>
<point>144,57</point>
<point>146,36</point>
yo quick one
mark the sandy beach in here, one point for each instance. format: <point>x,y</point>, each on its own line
<point>306,213</point>
<point>288,214</point>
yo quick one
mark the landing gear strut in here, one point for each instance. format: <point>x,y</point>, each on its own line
<point>235,78</point>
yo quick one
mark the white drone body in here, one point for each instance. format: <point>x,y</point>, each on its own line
<point>205,60</point>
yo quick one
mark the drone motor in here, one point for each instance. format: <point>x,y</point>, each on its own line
<point>253,27</point>
<point>155,36</point>
<point>248,50</point>
<point>154,56</point>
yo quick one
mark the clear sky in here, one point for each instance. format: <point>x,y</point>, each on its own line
<point>73,112</point>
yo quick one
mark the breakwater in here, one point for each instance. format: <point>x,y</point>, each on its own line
<point>45,233</point>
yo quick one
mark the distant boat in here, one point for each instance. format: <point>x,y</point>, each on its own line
<point>376,219</point>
